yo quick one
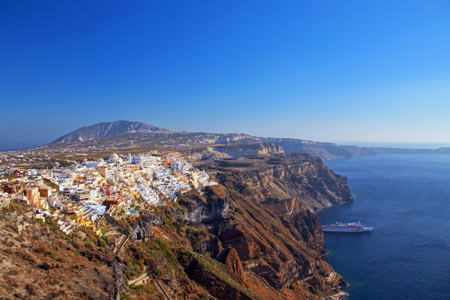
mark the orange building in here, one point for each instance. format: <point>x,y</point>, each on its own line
<point>34,197</point>
<point>44,191</point>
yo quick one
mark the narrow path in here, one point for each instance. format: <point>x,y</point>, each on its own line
<point>161,288</point>
<point>143,278</point>
<point>140,280</point>
<point>121,243</point>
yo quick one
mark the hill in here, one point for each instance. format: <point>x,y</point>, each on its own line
<point>106,130</point>
<point>127,135</point>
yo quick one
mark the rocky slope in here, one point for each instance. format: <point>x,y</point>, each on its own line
<point>126,135</point>
<point>39,262</point>
<point>132,135</point>
<point>249,150</point>
<point>285,182</point>
<point>323,150</point>
<point>263,227</point>
<point>253,236</point>
<point>231,151</point>
<point>107,130</point>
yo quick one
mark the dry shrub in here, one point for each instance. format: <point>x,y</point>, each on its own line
<point>10,281</point>
<point>13,273</point>
<point>26,256</point>
<point>39,249</point>
<point>31,289</point>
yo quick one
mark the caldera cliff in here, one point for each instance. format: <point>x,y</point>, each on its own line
<point>252,236</point>
<point>263,217</point>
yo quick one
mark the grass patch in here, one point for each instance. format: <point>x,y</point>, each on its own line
<point>166,250</point>
<point>134,268</point>
<point>125,296</point>
<point>221,271</point>
<point>105,238</point>
<point>163,259</point>
<point>51,225</point>
<point>239,211</point>
<point>314,289</point>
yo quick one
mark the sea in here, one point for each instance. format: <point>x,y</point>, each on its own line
<point>406,198</point>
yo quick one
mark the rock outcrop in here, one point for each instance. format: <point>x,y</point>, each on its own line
<point>233,261</point>
<point>284,183</point>
<point>249,150</point>
<point>252,236</point>
<point>269,234</point>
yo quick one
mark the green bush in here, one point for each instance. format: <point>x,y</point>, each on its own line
<point>166,250</point>
<point>105,238</point>
<point>222,272</point>
<point>314,290</point>
<point>239,211</point>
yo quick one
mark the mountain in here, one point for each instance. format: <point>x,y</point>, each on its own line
<point>127,135</point>
<point>106,130</point>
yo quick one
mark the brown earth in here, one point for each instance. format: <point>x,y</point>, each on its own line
<point>253,236</point>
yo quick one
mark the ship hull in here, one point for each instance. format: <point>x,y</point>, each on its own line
<point>355,230</point>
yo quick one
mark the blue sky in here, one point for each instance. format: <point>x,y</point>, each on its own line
<point>339,71</point>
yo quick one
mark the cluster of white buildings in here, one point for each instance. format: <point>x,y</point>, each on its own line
<point>88,190</point>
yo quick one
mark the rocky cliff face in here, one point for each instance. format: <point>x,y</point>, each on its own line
<point>284,183</point>
<point>323,150</point>
<point>232,151</point>
<point>264,227</point>
<point>253,236</point>
<point>254,150</point>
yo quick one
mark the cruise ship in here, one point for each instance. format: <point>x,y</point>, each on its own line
<point>346,227</point>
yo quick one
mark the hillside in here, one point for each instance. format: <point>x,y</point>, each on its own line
<point>252,236</point>
<point>106,130</point>
<point>126,135</point>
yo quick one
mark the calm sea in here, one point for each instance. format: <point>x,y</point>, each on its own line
<point>406,198</point>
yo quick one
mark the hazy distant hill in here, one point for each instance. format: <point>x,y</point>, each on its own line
<point>106,130</point>
<point>324,150</point>
<point>132,135</point>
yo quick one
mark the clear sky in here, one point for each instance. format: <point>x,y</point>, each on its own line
<point>338,71</point>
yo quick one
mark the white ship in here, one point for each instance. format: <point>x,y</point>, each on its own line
<point>346,227</point>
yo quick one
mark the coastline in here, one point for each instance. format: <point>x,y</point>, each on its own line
<point>338,296</point>
<point>341,295</point>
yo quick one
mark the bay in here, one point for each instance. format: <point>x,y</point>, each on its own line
<point>406,198</point>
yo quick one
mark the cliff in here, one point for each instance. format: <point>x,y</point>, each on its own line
<point>253,236</point>
<point>285,183</point>
<point>232,151</point>
<point>249,150</point>
<point>323,150</point>
<point>263,227</point>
